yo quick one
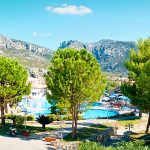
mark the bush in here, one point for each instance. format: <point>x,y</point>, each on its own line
<point>30,118</point>
<point>44,120</point>
<point>7,116</point>
<point>13,118</point>
<point>20,120</point>
<point>80,117</point>
<point>67,117</point>
<point>53,117</point>
<point>90,146</point>
<point>136,145</point>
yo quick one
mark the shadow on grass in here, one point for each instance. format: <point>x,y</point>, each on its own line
<point>128,118</point>
<point>141,136</point>
<point>85,133</point>
<point>4,131</point>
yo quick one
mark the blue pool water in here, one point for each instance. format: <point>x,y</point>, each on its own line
<point>95,113</point>
<point>42,107</point>
<point>97,104</point>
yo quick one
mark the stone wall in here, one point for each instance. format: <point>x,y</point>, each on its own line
<point>104,135</point>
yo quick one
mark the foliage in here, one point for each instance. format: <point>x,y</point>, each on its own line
<point>111,85</point>
<point>17,119</point>
<point>138,86</point>
<point>90,146</point>
<point>20,120</point>
<point>13,83</point>
<point>54,117</point>
<point>74,77</point>
<point>43,120</point>
<point>68,117</point>
<point>30,118</point>
<point>136,145</point>
<point>7,116</point>
<point>139,75</point>
<point>57,107</point>
<point>13,117</point>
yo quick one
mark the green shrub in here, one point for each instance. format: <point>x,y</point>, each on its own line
<point>69,117</point>
<point>90,146</point>
<point>20,120</point>
<point>13,118</point>
<point>17,119</point>
<point>136,145</point>
<point>53,117</point>
<point>80,117</point>
<point>30,118</point>
<point>7,116</point>
<point>64,117</point>
<point>44,120</point>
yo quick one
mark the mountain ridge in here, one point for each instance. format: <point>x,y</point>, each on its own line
<point>110,54</point>
<point>28,54</point>
<point>10,43</point>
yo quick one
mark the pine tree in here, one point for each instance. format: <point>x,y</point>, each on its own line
<point>13,83</point>
<point>74,77</point>
<point>138,87</point>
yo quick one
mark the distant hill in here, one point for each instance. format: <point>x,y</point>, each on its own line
<point>30,55</point>
<point>110,54</point>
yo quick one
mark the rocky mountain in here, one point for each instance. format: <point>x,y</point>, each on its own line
<point>30,55</point>
<point>110,54</point>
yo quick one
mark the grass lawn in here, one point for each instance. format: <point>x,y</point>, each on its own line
<point>133,121</point>
<point>140,135</point>
<point>85,133</point>
<point>4,129</point>
<point>124,120</point>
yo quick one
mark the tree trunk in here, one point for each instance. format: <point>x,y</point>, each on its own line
<point>14,121</point>
<point>43,126</point>
<point>2,112</point>
<point>74,123</point>
<point>140,113</point>
<point>148,124</point>
<point>76,118</point>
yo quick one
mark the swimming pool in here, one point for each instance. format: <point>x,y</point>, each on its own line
<point>97,104</point>
<point>99,113</point>
<point>42,107</point>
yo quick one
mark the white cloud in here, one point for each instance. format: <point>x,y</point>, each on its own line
<point>69,9</point>
<point>37,34</point>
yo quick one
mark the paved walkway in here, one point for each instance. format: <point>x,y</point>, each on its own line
<point>15,143</point>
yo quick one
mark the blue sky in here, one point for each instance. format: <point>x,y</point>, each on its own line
<point>50,22</point>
